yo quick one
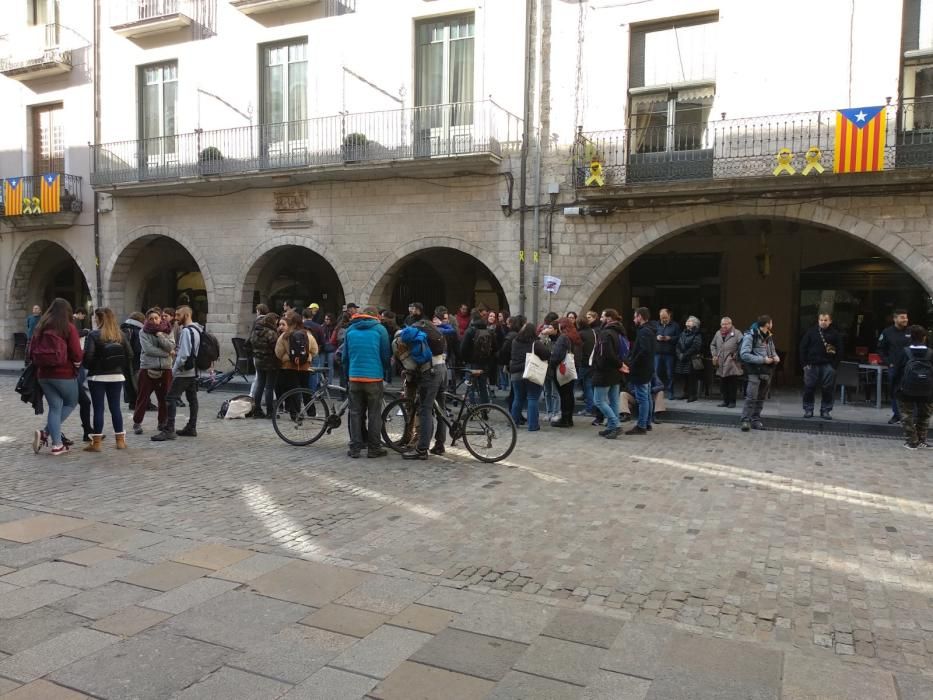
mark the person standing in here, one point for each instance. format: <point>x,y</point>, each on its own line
<point>913,376</point>
<point>607,371</point>
<point>689,358</point>
<point>587,325</point>
<point>317,330</point>
<point>819,355</point>
<point>568,343</point>
<point>55,351</point>
<point>668,333</point>
<point>155,369</point>
<point>641,368</point>
<point>184,377</point>
<point>478,350</point>
<point>367,353</point>
<point>32,320</point>
<point>108,358</point>
<point>724,349</point>
<point>463,319</point>
<point>526,394</point>
<point>891,344</point>
<point>759,358</point>
<point>431,378</point>
<point>295,350</point>
<point>263,339</point>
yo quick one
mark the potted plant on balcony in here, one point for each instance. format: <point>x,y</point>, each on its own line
<point>209,160</point>
<point>354,147</point>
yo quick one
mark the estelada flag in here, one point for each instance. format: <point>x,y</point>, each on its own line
<point>13,196</point>
<point>50,193</point>
<point>860,137</point>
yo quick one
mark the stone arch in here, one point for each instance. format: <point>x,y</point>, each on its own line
<point>253,264</point>
<point>121,260</point>
<point>379,285</point>
<point>820,215</point>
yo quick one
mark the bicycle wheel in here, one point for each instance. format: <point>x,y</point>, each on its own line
<point>489,432</point>
<point>398,428</point>
<point>300,417</point>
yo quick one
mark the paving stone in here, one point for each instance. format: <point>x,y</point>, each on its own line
<point>252,567</point>
<point>190,594</point>
<point>35,627</point>
<point>293,654</point>
<point>385,595</point>
<point>411,680</point>
<point>450,599</point>
<point>237,619</point>
<point>308,583</point>
<point>423,619</point>
<point>18,556</point>
<point>606,685</point>
<point>21,601</point>
<point>379,653</point>
<point>563,661</point>
<point>911,686</point>
<point>92,555</point>
<point>212,556</point>
<point>521,686</point>
<point>507,618</point>
<point>227,683</point>
<point>39,527</point>
<point>150,666</point>
<point>103,532</point>
<point>130,621</point>
<point>42,690</point>
<point>806,677</point>
<point>165,576</point>
<point>73,575</point>
<point>46,571</point>
<point>333,684</point>
<point>106,600</point>
<point>473,654</point>
<point>54,653</point>
<point>639,650</point>
<point>584,628</point>
<point>7,685</point>
<point>10,513</point>
<point>344,620</point>
<point>150,547</point>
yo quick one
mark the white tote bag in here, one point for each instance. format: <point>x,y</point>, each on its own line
<point>567,370</point>
<point>535,369</point>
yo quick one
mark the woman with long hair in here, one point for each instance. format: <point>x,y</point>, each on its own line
<point>157,345</point>
<point>108,358</point>
<point>55,350</point>
<point>292,372</point>
<point>567,343</point>
<point>527,393</point>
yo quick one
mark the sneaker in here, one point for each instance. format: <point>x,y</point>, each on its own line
<point>187,431</point>
<point>415,454</point>
<point>70,443</point>
<point>377,452</point>
<point>612,434</point>
<point>758,425</point>
<point>604,433</point>
<point>438,449</point>
<point>62,449</point>
<point>163,436</point>
<point>894,420</point>
<point>625,417</point>
<point>257,414</point>
<point>636,430</point>
<point>808,414</point>
<point>648,428</point>
<point>923,445</point>
<point>826,416</point>
<point>597,421</point>
<point>908,445</point>
<point>355,454</point>
<point>137,429</point>
<point>745,425</point>
<point>40,439</point>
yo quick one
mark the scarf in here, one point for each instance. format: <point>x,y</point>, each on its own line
<point>160,327</point>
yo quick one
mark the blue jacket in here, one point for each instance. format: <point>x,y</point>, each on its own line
<point>367,347</point>
<point>667,347</point>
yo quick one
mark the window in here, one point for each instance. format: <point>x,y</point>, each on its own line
<point>41,12</point>
<point>284,88</point>
<point>917,79</point>
<point>444,68</point>
<point>335,8</point>
<point>48,139</point>
<point>672,83</point>
<point>158,88</point>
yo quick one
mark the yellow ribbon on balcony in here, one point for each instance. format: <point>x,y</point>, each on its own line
<point>521,256</point>
<point>32,205</point>
<point>784,157</point>
<point>596,175</point>
<point>814,155</point>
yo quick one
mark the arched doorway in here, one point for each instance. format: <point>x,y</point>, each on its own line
<point>294,274</point>
<point>440,276</point>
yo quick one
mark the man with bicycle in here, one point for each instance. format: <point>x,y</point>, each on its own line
<point>431,378</point>
<point>366,349</point>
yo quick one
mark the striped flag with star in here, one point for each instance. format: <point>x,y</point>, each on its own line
<point>860,138</point>
<point>50,195</point>
<point>13,196</point>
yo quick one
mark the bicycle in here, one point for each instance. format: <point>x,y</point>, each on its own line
<point>214,379</point>
<point>487,430</point>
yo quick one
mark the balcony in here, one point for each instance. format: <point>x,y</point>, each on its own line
<point>440,138</point>
<point>745,155</point>
<point>33,53</point>
<point>33,202</point>
<point>134,19</point>
<point>332,8</point>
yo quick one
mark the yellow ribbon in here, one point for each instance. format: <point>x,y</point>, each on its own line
<point>596,175</point>
<point>536,258</point>
<point>32,205</point>
<point>813,156</point>
<point>521,256</point>
<point>784,157</point>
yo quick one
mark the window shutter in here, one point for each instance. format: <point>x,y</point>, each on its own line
<point>636,69</point>
<point>910,36</point>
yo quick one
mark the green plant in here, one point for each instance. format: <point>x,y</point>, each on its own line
<point>355,139</point>
<point>210,154</point>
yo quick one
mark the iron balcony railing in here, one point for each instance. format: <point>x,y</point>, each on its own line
<point>33,46</point>
<point>132,11</point>
<point>739,148</point>
<point>27,195</point>
<point>434,132</point>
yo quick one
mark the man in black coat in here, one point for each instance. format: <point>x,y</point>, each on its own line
<point>641,368</point>
<point>820,350</point>
<point>891,344</point>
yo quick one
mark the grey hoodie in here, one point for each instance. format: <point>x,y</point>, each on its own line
<point>156,350</point>
<point>189,340</point>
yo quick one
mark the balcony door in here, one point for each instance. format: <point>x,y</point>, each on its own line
<point>42,15</point>
<point>158,91</point>
<point>284,99</point>
<point>48,139</point>
<point>443,120</point>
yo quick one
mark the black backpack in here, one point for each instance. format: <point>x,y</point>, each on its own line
<point>298,350</point>
<point>112,356</point>
<point>482,345</point>
<point>208,350</point>
<point>917,380</point>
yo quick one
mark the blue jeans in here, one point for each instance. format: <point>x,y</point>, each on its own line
<point>551,397</point>
<point>111,391</point>
<point>824,377</point>
<point>62,397</point>
<point>314,379</point>
<point>480,385</point>
<point>642,394</point>
<point>430,385</point>
<point>525,394</point>
<point>585,382</point>
<point>667,362</point>
<point>606,399</point>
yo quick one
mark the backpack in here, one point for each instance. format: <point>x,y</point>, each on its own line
<point>112,356</point>
<point>482,345</point>
<point>237,407</point>
<point>601,352</point>
<point>917,380</point>
<point>298,350</point>
<point>48,350</point>
<point>208,351</point>
<point>412,344</point>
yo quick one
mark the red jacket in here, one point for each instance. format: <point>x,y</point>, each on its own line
<point>463,322</point>
<point>75,355</point>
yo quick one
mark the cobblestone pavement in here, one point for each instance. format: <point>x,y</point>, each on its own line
<point>666,553</point>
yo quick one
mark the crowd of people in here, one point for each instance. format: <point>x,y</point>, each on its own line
<point>585,365</point>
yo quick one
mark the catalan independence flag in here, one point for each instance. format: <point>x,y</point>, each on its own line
<point>860,137</point>
<point>50,195</point>
<point>13,196</point>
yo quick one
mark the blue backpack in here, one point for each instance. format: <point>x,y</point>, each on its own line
<point>417,342</point>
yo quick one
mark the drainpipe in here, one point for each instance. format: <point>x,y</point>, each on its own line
<point>96,83</point>
<point>530,6</point>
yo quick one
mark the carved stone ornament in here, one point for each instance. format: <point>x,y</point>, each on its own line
<point>292,200</point>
